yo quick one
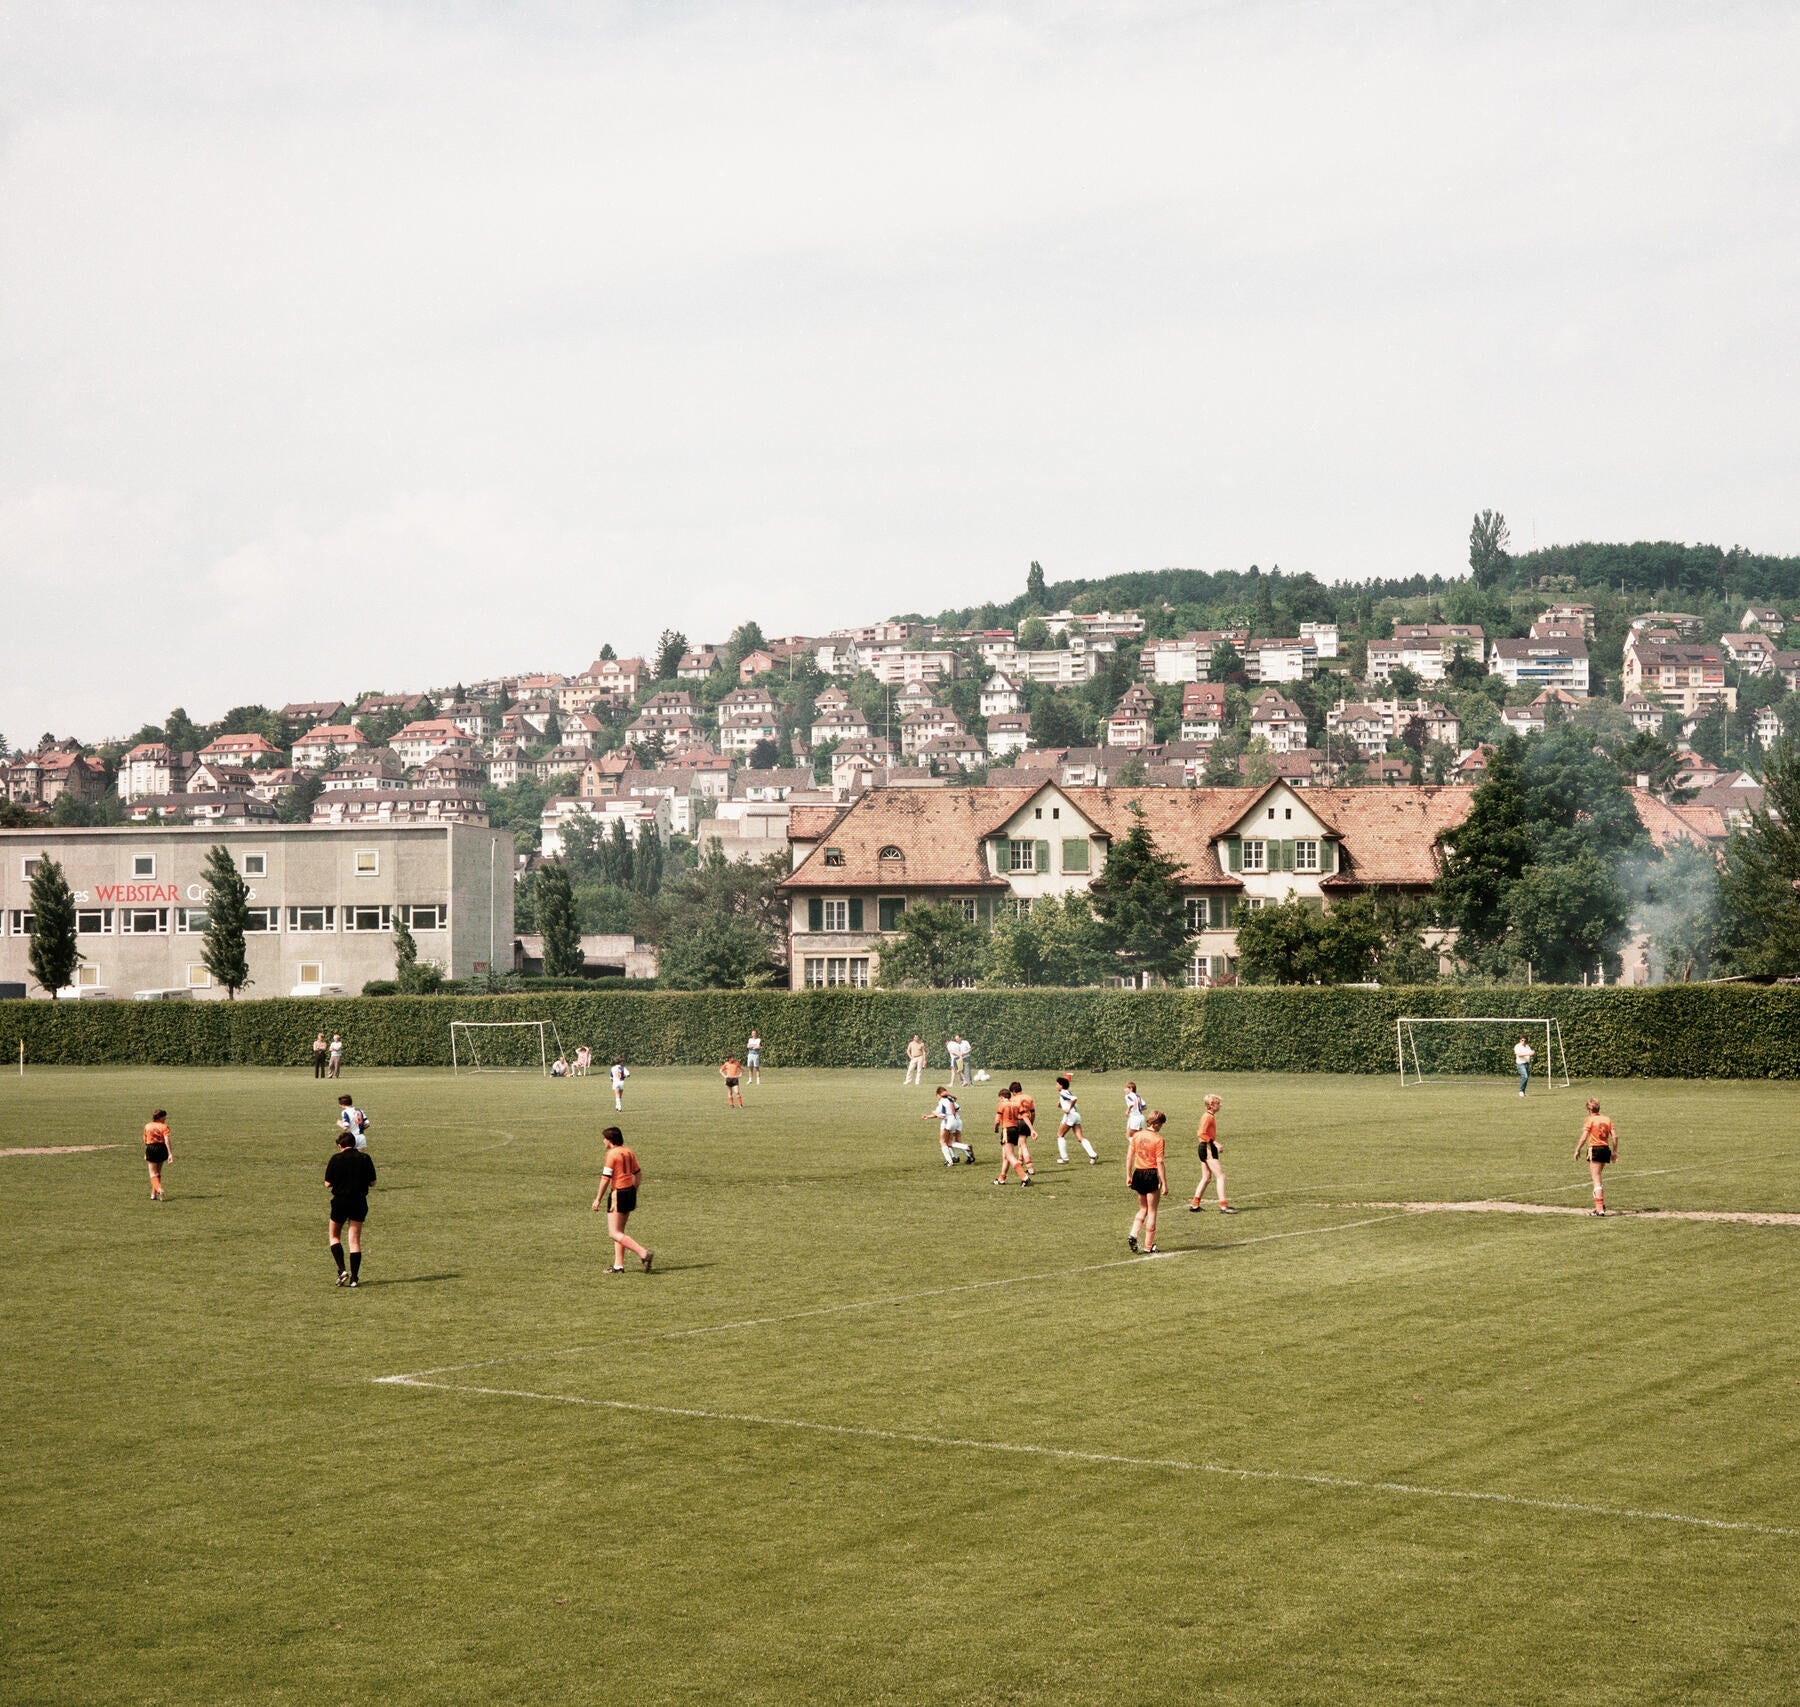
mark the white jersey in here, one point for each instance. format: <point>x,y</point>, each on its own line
<point>1071,1115</point>
<point>1523,1052</point>
<point>949,1115</point>
<point>1134,1112</point>
<point>619,1075</point>
<point>356,1123</point>
<point>753,1048</point>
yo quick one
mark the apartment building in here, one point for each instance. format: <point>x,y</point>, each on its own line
<point>1685,676</point>
<point>1542,663</point>
<point>323,902</point>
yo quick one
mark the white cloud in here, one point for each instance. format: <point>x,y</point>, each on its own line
<point>504,330</point>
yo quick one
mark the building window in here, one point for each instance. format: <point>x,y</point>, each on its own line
<point>143,865</point>
<point>198,978</point>
<point>87,977</point>
<point>23,923</point>
<point>143,921</point>
<point>1254,856</point>
<point>368,862</point>
<point>311,972</point>
<point>1075,856</point>
<point>888,910</point>
<point>968,905</point>
<point>190,921</point>
<point>94,921</point>
<point>435,917</point>
<point>1253,902</point>
<point>835,972</point>
<point>256,865</point>
<point>836,916</point>
<point>1306,856</point>
<point>892,853</point>
<point>1196,914</point>
<point>834,856</point>
<point>815,974</point>
<point>1021,856</point>
<point>312,919</point>
<point>368,918</point>
<point>262,919</point>
<point>28,867</point>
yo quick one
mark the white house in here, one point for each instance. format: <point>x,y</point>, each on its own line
<point>1000,695</point>
<point>1279,722</point>
<point>1202,711</point>
<point>1008,732</point>
<point>1542,663</point>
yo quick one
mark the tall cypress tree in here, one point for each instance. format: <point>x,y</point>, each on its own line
<point>1138,901</point>
<point>227,914</point>
<point>54,952</point>
<point>557,923</point>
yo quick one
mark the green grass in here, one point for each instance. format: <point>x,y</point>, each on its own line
<point>210,1498</point>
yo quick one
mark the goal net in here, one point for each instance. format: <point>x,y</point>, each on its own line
<point>503,1046</point>
<point>1438,1047</point>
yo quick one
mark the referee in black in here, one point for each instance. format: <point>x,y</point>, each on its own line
<point>348,1176</point>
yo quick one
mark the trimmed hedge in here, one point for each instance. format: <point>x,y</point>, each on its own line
<point>1693,1031</point>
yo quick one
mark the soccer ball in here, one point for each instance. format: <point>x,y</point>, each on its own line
<point>981,1076</point>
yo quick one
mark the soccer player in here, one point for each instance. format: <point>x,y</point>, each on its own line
<point>619,1176</point>
<point>1145,1174</point>
<point>1602,1145</point>
<point>1210,1166</point>
<point>1070,1122</point>
<point>157,1151</point>
<point>1522,1054</point>
<point>1134,1110</point>
<point>1006,1125</point>
<point>948,1115</point>
<point>335,1057</point>
<point>915,1061</point>
<point>731,1071</point>
<point>351,1119</point>
<point>348,1176</point>
<point>1024,1127</point>
<point>620,1073</point>
<point>753,1057</point>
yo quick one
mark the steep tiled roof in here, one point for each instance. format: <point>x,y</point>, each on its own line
<point>1667,825</point>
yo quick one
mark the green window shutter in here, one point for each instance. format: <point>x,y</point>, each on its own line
<point>815,914</point>
<point>1074,856</point>
<point>888,911</point>
<point>1234,852</point>
<point>856,913</point>
<point>1327,858</point>
<point>1215,912</point>
<point>998,850</point>
<point>1043,856</point>
<point>1287,856</point>
<point>1227,912</point>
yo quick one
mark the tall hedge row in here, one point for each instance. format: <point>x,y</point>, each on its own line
<point>1676,1031</point>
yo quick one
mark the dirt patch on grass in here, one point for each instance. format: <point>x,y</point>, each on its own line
<point>1499,1206</point>
<point>59,1149</point>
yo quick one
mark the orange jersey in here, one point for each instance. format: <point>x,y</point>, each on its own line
<point>155,1132</point>
<point>1003,1114</point>
<point>1024,1108</point>
<point>1597,1129</point>
<point>1146,1150</point>
<point>1209,1127</point>
<point>622,1163</point>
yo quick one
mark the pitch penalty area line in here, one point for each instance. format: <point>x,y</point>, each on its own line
<point>898,1298</point>
<point>1071,1455</point>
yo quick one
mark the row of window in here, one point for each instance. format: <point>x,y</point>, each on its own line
<point>89,976</point>
<point>1204,912</point>
<point>829,972</point>
<point>365,862</point>
<point>188,921</point>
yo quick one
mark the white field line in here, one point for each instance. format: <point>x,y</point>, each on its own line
<point>901,1437</point>
<point>1511,1206</point>
<point>896,1298</point>
<point>58,1149</point>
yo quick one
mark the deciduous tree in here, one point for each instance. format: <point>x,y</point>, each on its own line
<point>1138,900</point>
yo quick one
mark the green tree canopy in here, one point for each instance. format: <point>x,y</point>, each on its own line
<point>557,923</point>
<point>1058,943</point>
<point>936,948</point>
<point>54,952</point>
<point>669,647</point>
<point>227,916</point>
<point>1297,942</point>
<point>1488,538</point>
<point>1139,903</point>
<point>1760,932</point>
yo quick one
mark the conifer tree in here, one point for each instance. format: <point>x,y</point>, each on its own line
<point>557,923</point>
<point>54,952</point>
<point>227,914</point>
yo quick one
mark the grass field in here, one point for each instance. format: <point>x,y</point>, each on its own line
<point>877,1431</point>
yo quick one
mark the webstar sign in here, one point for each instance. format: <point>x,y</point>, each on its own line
<point>136,894</point>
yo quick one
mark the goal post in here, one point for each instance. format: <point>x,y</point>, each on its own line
<point>1406,1045</point>
<point>502,1046</point>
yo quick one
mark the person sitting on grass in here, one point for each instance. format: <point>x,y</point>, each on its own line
<point>559,1068</point>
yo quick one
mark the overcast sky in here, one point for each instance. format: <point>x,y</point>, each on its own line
<point>386,345</point>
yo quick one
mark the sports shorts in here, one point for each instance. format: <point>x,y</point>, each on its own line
<point>1017,1134</point>
<point>1600,1152</point>
<point>624,1200</point>
<point>1209,1149</point>
<point>731,1084</point>
<point>1145,1180</point>
<point>1072,1118</point>
<point>156,1152</point>
<point>754,1058</point>
<point>349,1209</point>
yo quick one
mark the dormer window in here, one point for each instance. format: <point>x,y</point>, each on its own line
<point>889,852</point>
<point>834,856</point>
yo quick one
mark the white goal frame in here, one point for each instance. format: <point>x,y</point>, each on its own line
<point>470,1047</point>
<point>1553,1042</point>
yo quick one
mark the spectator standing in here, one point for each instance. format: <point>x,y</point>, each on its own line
<point>335,1056</point>
<point>319,1056</point>
<point>915,1061</point>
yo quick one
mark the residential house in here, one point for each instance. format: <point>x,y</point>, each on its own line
<point>601,777</point>
<point>1301,769</point>
<point>772,784</point>
<point>915,696</point>
<point>1472,766</point>
<point>1765,730</point>
<point>943,752</point>
<point>897,666</point>
<point>742,732</point>
<point>153,767</point>
<point>398,806</point>
<point>473,719</point>
<point>1541,663</point>
<point>1391,771</point>
<point>242,750</point>
<point>581,729</point>
<point>223,806</point>
<point>1543,629</point>
<point>326,744</point>
<point>1752,652</point>
<point>635,813</point>
<point>1000,696</point>
<point>748,701</point>
<point>274,785</point>
<point>1278,721</point>
<point>418,742</point>
<point>1057,667</point>
<point>1765,617</point>
<point>529,719</point>
<point>309,713</point>
<point>1580,616</point>
<point>212,777</point>
<point>1686,677</point>
<point>1268,659</point>
<point>64,771</point>
<point>1427,649</point>
<point>1202,711</point>
<point>451,773</point>
<point>1008,732</point>
<point>1786,664</point>
<point>1133,722</point>
<point>505,764</point>
<point>697,665</point>
<point>1322,637</point>
<point>922,727</point>
<point>858,758</point>
<point>1120,625</point>
<point>860,867</point>
<point>381,704</point>
<point>366,768</point>
<point>755,663</point>
<point>560,761</point>
<point>845,724</point>
<point>1361,725</point>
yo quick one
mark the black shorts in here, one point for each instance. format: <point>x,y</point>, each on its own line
<point>624,1200</point>
<point>731,1084</point>
<point>156,1152</point>
<point>1600,1153</point>
<point>1144,1180</point>
<point>1017,1134</point>
<point>356,1209</point>
<point>1209,1149</point>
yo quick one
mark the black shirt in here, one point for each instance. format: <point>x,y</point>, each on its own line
<point>350,1173</point>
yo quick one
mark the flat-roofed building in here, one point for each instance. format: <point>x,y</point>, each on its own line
<point>323,902</point>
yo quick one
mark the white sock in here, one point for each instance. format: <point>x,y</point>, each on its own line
<point>1090,1150</point>
<point>1062,1148</point>
<point>946,1149</point>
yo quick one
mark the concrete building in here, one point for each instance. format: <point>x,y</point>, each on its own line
<point>323,902</point>
<point>1542,663</point>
